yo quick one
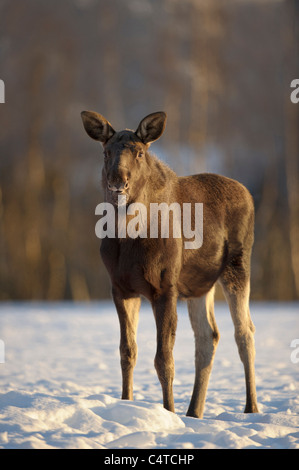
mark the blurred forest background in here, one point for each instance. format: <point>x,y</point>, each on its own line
<point>220,69</point>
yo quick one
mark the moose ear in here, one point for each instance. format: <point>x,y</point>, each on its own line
<point>96,126</point>
<point>151,127</point>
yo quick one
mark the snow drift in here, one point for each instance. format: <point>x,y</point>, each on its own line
<point>61,382</point>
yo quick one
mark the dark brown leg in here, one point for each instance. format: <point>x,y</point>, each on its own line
<point>128,310</point>
<point>166,321</point>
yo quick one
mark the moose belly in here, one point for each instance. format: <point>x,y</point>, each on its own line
<point>131,281</point>
<point>201,269</point>
<point>136,270</point>
<point>194,282</point>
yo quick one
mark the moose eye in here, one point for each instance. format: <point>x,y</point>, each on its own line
<point>140,154</point>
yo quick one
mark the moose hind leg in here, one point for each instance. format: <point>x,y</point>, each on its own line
<point>128,314</point>
<point>201,313</point>
<point>238,301</point>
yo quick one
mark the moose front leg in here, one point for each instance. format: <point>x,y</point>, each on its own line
<point>166,321</point>
<point>128,313</point>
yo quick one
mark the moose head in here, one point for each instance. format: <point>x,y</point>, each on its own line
<point>125,152</point>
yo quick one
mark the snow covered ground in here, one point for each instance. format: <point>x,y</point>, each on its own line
<point>61,382</point>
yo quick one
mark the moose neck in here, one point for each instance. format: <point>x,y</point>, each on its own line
<point>159,183</point>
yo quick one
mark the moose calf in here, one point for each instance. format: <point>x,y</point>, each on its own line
<point>163,269</point>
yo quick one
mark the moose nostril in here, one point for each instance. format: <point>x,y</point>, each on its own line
<point>126,185</point>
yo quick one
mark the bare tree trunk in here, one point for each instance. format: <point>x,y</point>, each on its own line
<point>112,70</point>
<point>207,34</point>
<point>35,180</point>
<point>173,92</point>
